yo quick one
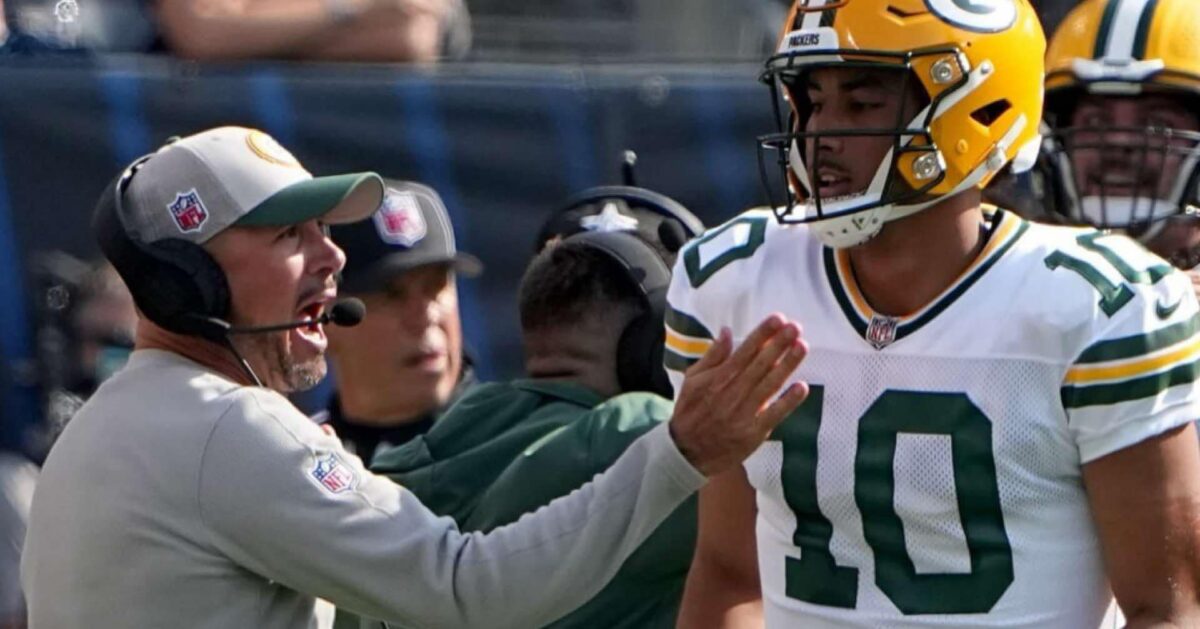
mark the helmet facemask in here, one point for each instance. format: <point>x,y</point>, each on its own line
<point>1130,178</point>
<point>908,174</point>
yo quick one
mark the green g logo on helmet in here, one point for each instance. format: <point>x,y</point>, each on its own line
<point>981,16</point>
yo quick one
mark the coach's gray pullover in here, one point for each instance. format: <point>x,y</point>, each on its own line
<point>179,499</point>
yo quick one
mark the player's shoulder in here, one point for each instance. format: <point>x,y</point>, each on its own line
<point>718,263</point>
<point>1130,322</point>
<point>724,267</point>
<point>727,248</point>
<point>1043,240</point>
<point>1104,292</point>
<point>1096,273</point>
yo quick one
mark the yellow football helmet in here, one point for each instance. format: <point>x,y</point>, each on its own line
<point>978,62</point>
<point>1123,48</point>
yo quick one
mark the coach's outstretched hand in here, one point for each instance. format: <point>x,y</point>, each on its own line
<point>722,412</point>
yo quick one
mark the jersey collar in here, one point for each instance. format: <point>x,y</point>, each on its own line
<point>881,330</point>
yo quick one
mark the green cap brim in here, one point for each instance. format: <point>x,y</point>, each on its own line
<point>333,198</point>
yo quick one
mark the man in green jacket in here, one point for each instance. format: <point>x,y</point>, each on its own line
<point>506,449</point>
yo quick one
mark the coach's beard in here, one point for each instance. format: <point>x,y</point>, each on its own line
<point>285,374</point>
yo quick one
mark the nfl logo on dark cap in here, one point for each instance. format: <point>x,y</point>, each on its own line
<point>411,229</point>
<point>399,220</point>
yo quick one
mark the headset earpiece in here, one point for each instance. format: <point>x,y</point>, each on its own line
<point>175,283</point>
<point>200,283</point>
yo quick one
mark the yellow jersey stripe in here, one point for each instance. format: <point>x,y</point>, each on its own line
<point>686,345</point>
<point>1093,373</point>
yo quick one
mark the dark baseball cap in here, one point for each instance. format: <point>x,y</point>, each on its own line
<point>411,229</point>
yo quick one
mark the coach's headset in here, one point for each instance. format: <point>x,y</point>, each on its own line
<point>175,283</point>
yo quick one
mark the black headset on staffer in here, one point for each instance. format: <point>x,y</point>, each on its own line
<point>621,222</point>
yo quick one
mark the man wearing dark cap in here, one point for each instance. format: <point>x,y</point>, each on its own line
<point>405,362</point>
<point>591,307</point>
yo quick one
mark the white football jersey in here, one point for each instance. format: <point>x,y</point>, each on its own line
<point>933,477</point>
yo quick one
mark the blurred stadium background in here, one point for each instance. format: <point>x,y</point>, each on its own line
<point>536,100</point>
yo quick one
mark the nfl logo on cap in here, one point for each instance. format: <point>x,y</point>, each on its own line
<point>188,211</point>
<point>399,220</point>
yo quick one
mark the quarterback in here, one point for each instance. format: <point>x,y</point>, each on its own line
<point>999,426</point>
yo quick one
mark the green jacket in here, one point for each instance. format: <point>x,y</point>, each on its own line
<point>506,449</point>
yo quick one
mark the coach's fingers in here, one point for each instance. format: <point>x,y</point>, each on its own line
<point>778,410</point>
<point>743,383</point>
<point>750,347</point>
<point>716,354</point>
<point>780,372</point>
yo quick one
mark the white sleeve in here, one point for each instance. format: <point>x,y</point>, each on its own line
<point>1137,376</point>
<point>687,337</point>
<point>288,503</point>
<point>703,295</point>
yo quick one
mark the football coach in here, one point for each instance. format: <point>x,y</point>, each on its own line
<point>188,492</point>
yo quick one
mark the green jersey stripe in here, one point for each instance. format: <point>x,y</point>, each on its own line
<point>686,324</point>
<point>1129,390</point>
<point>677,362</point>
<point>1140,344</point>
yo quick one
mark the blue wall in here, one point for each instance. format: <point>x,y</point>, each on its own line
<point>503,144</point>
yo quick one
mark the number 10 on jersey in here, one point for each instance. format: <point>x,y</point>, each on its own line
<point>817,578</point>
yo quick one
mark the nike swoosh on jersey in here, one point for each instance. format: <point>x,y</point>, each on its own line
<point>1165,312</point>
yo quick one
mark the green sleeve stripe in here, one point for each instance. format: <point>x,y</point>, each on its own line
<point>1141,344</point>
<point>686,325</point>
<point>677,362</point>
<point>1129,390</point>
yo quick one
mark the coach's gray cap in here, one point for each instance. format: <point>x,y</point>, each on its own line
<point>195,187</point>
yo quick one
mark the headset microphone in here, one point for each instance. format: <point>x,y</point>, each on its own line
<point>347,312</point>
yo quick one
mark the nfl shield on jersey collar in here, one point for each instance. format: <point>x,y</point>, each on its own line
<point>881,330</point>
